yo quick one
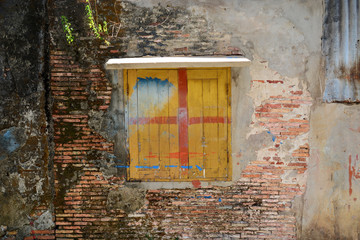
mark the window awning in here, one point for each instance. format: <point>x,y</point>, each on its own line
<point>176,62</point>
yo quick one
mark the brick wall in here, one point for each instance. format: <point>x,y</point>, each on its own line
<point>81,190</point>
<point>257,206</point>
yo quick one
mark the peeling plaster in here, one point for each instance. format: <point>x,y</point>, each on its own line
<point>45,221</point>
<point>260,71</point>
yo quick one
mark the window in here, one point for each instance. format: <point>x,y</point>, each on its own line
<point>178,124</point>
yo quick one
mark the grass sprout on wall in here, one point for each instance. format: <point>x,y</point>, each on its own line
<point>97,29</point>
<point>67,29</point>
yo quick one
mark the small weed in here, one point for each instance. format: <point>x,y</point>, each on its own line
<point>67,29</point>
<point>97,29</point>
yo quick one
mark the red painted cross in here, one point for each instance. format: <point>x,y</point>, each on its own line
<point>183,121</point>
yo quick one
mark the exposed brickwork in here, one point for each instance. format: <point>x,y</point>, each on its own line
<point>258,206</point>
<point>82,205</point>
<point>285,117</point>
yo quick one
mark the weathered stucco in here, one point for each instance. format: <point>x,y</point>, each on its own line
<point>278,189</point>
<point>330,204</point>
<point>282,39</point>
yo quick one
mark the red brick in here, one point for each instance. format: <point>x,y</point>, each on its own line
<point>275,81</point>
<point>82,223</point>
<point>71,227</point>
<point>291,105</point>
<point>63,223</point>
<point>296,92</point>
<point>42,232</point>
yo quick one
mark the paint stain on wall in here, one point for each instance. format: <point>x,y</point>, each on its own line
<point>11,140</point>
<point>152,94</point>
<point>354,171</point>
<point>196,183</point>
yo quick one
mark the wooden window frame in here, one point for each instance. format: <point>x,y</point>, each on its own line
<point>183,127</point>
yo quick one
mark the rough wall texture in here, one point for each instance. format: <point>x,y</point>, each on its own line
<point>296,157</point>
<point>25,172</point>
<point>330,204</point>
<point>92,203</point>
<point>270,105</point>
<point>331,201</point>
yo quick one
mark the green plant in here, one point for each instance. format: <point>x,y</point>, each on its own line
<point>97,29</point>
<point>67,29</point>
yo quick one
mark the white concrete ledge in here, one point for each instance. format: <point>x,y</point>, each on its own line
<point>176,62</point>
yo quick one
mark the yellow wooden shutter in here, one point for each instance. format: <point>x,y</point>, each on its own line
<point>209,124</point>
<point>157,118</point>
